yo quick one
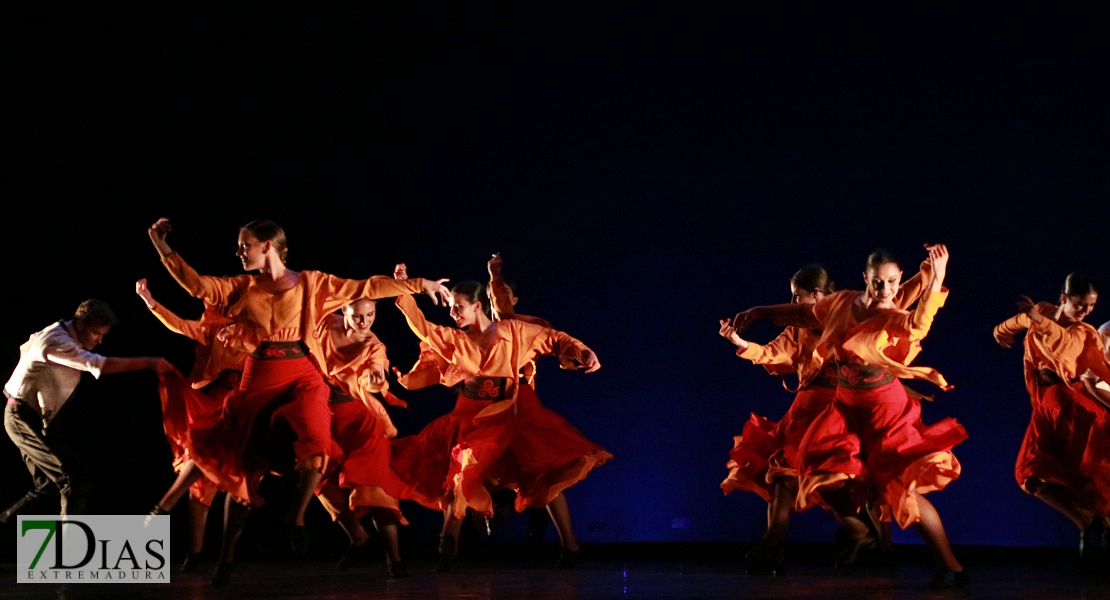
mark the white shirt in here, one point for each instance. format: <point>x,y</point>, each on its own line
<point>50,365</point>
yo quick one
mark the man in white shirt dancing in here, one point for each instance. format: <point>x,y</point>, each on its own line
<point>50,365</point>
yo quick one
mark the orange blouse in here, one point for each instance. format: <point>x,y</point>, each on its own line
<point>1067,351</point>
<point>212,356</point>
<point>796,348</point>
<point>350,372</point>
<point>889,340</point>
<point>515,344</point>
<point>285,316</point>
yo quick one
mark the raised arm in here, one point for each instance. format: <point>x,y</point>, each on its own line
<point>784,315</point>
<point>331,293</point>
<point>502,301</point>
<point>912,288</point>
<point>190,329</point>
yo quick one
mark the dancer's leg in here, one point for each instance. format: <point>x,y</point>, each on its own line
<point>932,531</point>
<point>189,474</point>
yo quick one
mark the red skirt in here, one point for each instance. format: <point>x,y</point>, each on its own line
<point>285,395</point>
<point>767,451</point>
<point>360,460</point>
<point>524,447</point>
<point>1067,443</point>
<point>185,408</point>
<point>876,437</point>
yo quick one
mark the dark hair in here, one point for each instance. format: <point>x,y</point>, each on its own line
<point>813,278</point>
<point>472,290</point>
<point>95,313</point>
<point>265,230</point>
<point>508,282</point>
<point>879,257</point>
<point>1078,284</point>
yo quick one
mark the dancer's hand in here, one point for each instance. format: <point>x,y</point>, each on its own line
<point>938,262</point>
<point>745,318</point>
<point>1027,306</point>
<point>437,291</point>
<point>400,271</point>
<point>728,332</point>
<point>590,362</point>
<point>226,334</point>
<point>158,232</point>
<point>161,366</point>
<point>376,375</point>
<point>144,293</point>
<point>494,266</point>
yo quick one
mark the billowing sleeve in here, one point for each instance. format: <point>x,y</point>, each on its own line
<point>214,290</point>
<point>912,288</point>
<point>918,322</point>
<point>1012,326</point>
<point>62,350</point>
<point>190,329</point>
<point>443,340</point>
<point>779,351</point>
<point>1061,344</point>
<point>426,372</point>
<point>330,293</point>
<point>544,340</point>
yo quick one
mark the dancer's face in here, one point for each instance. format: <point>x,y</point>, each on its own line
<point>803,296</point>
<point>251,252</point>
<point>883,282</point>
<point>360,315</point>
<point>1077,308</point>
<point>463,311</point>
<point>89,336</point>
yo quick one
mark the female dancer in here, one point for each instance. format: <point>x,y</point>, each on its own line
<point>535,421</point>
<point>870,443</point>
<point>354,366</point>
<point>1066,445</point>
<point>497,430</point>
<point>764,458</point>
<point>279,381</point>
<point>195,401</point>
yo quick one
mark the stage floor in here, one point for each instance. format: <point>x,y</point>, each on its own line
<point>607,579</point>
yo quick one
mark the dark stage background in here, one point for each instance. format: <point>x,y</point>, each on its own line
<point>644,171</point>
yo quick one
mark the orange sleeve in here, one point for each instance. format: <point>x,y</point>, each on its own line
<point>190,329</point>
<point>443,340</point>
<point>375,356</point>
<point>213,290</point>
<point>1012,326</point>
<point>912,288</point>
<point>918,322</point>
<point>779,351</point>
<point>330,293</point>
<point>1061,344</point>
<point>544,340</point>
<point>794,315</point>
<point>502,302</point>
<point>426,372</point>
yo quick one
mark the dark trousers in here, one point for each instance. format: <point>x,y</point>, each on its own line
<point>55,467</point>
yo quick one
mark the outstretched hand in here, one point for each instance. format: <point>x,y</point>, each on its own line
<point>376,374</point>
<point>144,292</point>
<point>590,362</point>
<point>729,332</point>
<point>161,366</point>
<point>494,266</point>
<point>158,232</point>
<point>437,291</point>
<point>400,271</point>
<point>745,318</point>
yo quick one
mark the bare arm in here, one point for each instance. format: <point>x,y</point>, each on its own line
<point>117,364</point>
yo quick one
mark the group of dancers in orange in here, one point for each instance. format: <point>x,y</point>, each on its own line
<point>290,379</point>
<point>853,441</point>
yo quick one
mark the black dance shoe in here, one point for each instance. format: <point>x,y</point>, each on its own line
<point>568,559</point>
<point>192,561</point>
<point>945,578</point>
<point>398,570</point>
<point>298,539</point>
<point>447,551</point>
<point>222,576</point>
<point>352,556</point>
<point>1093,538</point>
<point>852,553</point>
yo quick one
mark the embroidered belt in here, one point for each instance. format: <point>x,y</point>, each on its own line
<point>861,377</point>
<point>485,388</point>
<point>825,378</point>
<point>337,396</point>
<point>279,351</point>
<point>1044,378</point>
